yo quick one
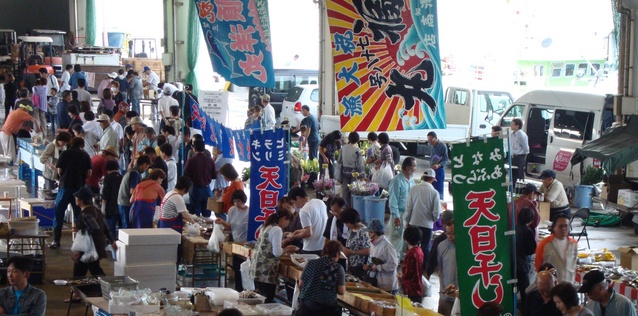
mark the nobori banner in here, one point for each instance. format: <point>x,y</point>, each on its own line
<point>480,217</point>
<point>268,181</point>
<point>387,64</point>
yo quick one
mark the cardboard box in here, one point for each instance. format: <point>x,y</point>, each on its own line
<point>629,257</point>
<point>628,198</point>
<point>136,255</point>
<point>149,236</point>
<point>242,249</point>
<point>543,209</point>
<point>214,205</point>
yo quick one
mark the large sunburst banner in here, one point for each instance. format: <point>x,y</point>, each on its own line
<point>387,64</point>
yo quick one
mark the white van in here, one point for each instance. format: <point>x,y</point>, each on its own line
<point>556,123</point>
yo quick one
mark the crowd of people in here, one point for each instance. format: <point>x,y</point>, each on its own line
<point>115,172</point>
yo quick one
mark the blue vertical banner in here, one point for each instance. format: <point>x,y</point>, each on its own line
<point>268,181</point>
<point>212,131</point>
<point>242,144</point>
<point>237,34</point>
<point>227,143</point>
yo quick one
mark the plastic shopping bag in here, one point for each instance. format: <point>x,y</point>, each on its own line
<point>246,281</point>
<point>383,175</point>
<point>84,243</point>
<point>427,286</point>
<point>215,239</point>
<point>295,296</point>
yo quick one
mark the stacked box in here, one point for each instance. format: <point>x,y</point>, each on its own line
<point>148,256</point>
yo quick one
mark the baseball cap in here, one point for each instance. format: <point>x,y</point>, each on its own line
<point>103,118</point>
<point>376,226</point>
<point>590,280</point>
<point>547,174</point>
<point>113,75</point>
<point>429,173</point>
<point>530,187</point>
<point>147,68</point>
<point>167,91</point>
<point>265,97</point>
<point>129,66</point>
<point>84,194</point>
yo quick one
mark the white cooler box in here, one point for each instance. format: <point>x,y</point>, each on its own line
<point>153,276</point>
<point>149,236</point>
<point>139,255</point>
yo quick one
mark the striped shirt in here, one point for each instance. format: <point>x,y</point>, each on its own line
<point>172,205</point>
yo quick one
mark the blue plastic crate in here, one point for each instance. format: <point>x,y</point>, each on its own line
<point>45,215</point>
<point>24,172</point>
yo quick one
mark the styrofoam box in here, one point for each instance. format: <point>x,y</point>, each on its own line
<point>150,236</point>
<point>218,295</point>
<point>628,198</point>
<point>151,269</point>
<point>139,255</point>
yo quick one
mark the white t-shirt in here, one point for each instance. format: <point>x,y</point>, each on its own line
<point>238,220</point>
<point>315,216</point>
<point>561,246</point>
<point>164,104</point>
<point>172,204</point>
<point>171,175</point>
<point>66,76</point>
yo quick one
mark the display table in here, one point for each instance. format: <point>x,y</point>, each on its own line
<point>26,244</point>
<point>195,253</point>
<point>100,306</point>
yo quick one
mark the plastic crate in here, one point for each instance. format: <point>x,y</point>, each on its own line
<point>275,309</point>
<point>114,283</point>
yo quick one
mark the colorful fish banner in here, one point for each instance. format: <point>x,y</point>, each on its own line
<point>480,225</point>
<point>387,64</point>
<point>268,180</point>
<point>237,34</point>
<point>242,144</point>
<point>227,143</point>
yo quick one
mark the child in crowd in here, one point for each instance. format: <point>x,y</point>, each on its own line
<point>175,121</point>
<point>110,188</point>
<point>412,269</point>
<point>171,165</point>
<point>53,108</point>
<point>303,140</point>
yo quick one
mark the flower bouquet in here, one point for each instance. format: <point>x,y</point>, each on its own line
<point>325,186</point>
<point>309,166</point>
<point>361,188</point>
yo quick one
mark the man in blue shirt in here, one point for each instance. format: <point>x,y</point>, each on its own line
<point>77,74</point>
<point>310,121</point>
<point>398,191</point>
<point>63,118</point>
<point>438,160</point>
<point>603,299</point>
<point>20,298</point>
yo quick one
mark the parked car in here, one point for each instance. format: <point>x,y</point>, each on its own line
<point>285,79</point>
<point>305,94</point>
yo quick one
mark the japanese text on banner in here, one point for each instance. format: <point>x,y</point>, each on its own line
<point>267,176</point>
<point>481,221</point>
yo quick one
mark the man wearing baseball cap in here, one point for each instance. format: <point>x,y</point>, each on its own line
<point>554,194</point>
<point>526,200</point>
<point>423,209</point>
<point>269,112</point>
<point>153,79</point>
<point>109,136</point>
<point>604,300</point>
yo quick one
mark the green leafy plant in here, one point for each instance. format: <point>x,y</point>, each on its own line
<point>592,176</point>
<point>245,174</point>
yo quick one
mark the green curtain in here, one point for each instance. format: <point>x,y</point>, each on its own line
<point>91,24</point>
<point>192,46</point>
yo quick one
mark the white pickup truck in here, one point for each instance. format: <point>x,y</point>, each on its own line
<point>469,113</point>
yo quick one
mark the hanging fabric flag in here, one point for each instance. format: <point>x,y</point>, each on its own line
<point>242,144</point>
<point>227,143</point>
<point>387,64</point>
<point>237,34</point>
<point>211,130</point>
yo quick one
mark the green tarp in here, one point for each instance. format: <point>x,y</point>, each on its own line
<point>615,150</point>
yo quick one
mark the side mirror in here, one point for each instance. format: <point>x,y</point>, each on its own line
<point>490,116</point>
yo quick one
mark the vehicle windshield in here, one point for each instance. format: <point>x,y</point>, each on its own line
<point>497,101</point>
<point>294,94</point>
